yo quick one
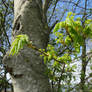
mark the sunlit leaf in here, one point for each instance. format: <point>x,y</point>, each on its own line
<point>18,43</point>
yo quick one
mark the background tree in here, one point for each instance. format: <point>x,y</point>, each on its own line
<point>6,18</point>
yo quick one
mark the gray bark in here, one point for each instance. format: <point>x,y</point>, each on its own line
<point>27,69</point>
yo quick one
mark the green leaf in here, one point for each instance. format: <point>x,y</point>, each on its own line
<point>18,43</point>
<point>57,27</point>
<point>68,40</point>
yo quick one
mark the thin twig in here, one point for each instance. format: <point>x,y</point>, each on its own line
<point>42,52</point>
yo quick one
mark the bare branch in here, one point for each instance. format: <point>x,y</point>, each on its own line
<point>63,13</point>
<point>89,53</point>
<point>53,25</point>
<point>84,15</point>
<point>53,11</point>
<point>5,4</point>
<point>74,4</point>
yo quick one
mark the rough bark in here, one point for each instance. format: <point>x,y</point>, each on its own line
<point>27,69</point>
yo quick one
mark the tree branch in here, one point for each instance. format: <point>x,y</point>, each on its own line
<point>53,25</point>
<point>44,53</point>
<point>53,11</point>
<point>74,4</point>
<point>46,5</point>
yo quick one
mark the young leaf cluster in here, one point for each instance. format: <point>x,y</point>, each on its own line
<point>18,43</point>
<point>69,35</point>
<point>73,31</point>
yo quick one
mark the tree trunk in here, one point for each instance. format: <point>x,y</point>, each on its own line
<point>84,64</point>
<point>27,69</point>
